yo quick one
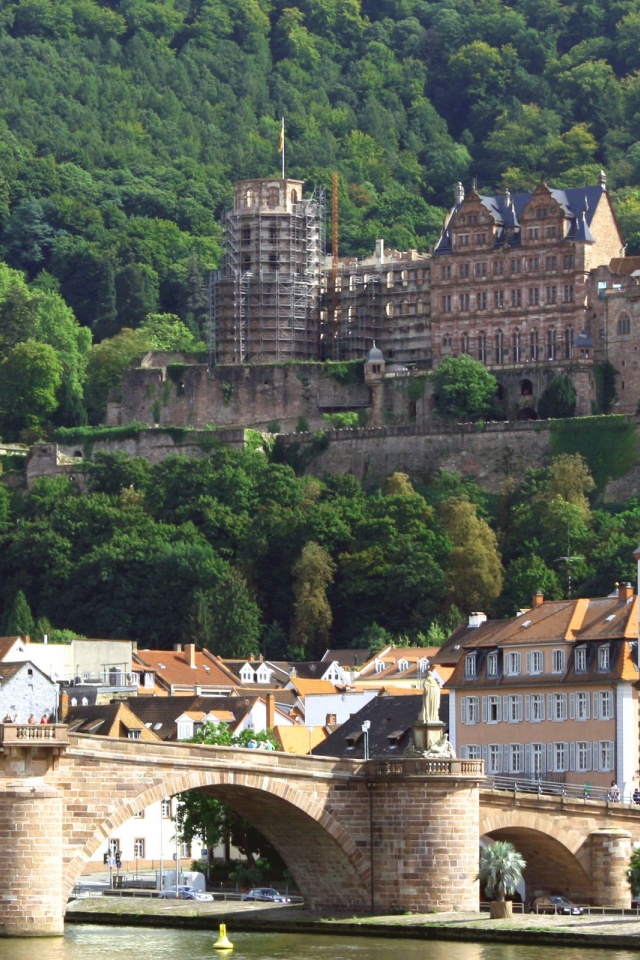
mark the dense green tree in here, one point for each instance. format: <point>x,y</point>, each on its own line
<point>558,399</point>
<point>30,378</point>
<point>105,365</point>
<point>19,621</point>
<point>474,565</point>
<point>463,388</point>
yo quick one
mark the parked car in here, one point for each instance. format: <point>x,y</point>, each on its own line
<point>184,893</point>
<point>266,893</point>
<point>554,905</point>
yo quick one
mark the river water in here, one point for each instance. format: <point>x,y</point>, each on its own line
<point>128,943</point>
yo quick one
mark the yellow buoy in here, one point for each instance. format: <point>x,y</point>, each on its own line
<point>223,943</point>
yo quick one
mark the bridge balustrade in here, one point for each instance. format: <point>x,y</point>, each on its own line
<point>36,734</point>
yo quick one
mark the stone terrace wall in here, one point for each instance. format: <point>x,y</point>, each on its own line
<point>490,455</point>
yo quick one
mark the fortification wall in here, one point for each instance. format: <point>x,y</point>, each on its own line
<point>491,454</point>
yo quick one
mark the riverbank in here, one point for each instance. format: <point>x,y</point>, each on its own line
<point>587,931</point>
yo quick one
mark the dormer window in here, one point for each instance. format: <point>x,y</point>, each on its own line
<point>604,657</point>
<point>581,660</point>
<point>535,661</point>
<point>403,664</point>
<point>423,666</point>
<point>558,659</point>
<point>247,674</point>
<point>470,665</point>
<point>264,674</point>
<point>492,665</point>
<point>512,663</point>
<point>379,666</point>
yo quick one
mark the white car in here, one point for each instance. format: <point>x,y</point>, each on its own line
<point>184,893</point>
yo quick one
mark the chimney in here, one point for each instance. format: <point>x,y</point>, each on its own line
<point>475,619</point>
<point>271,711</point>
<point>64,707</point>
<point>625,592</point>
<point>190,654</point>
<point>537,599</point>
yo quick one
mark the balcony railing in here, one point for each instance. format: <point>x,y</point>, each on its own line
<point>34,734</point>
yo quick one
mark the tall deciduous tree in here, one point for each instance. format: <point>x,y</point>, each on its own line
<point>312,617</point>
<point>474,565</point>
<point>30,378</point>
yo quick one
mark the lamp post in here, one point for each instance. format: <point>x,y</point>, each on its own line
<point>365,730</point>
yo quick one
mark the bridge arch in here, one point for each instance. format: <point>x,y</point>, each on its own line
<point>298,825</point>
<point>558,858</point>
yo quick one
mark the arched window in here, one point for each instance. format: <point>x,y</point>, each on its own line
<point>249,197</point>
<point>499,347</point>
<point>568,343</point>
<point>551,343</point>
<point>482,347</point>
<point>624,325</point>
<point>517,346</point>
<point>389,309</point>
<point>465,346</point>
<point>533,345</point>
<point>294,196</point>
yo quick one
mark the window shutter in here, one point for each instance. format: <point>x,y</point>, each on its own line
<point>587,707</point>
<point>563,706</point>
<point>529,661</point>
<point>550,715</point>
<point>549,756</point>
<point>589,756</point>
<point>572,756</point>
<point>498,709</point>
<point>485,713</point>
<point>527,707</point>
<point>527,758</point>
<point>505,709</point>
<point>463,709</point>
<point>596,756</point>
<point>572,706</point>
<point>519,707</point>
<point>500,760</point>
<point>596,707</point>
<point>484,754</point>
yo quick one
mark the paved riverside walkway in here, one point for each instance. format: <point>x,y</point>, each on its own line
<point>617,931</point>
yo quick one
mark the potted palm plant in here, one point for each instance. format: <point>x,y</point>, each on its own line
<point>500,873</point>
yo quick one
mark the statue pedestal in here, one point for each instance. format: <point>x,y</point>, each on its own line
<point>425,735</point>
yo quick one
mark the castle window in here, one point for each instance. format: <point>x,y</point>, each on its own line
<point>464,301</point>
<point>568,343</point>
<point>624,324</point>
<point>498,299</point>
<point>446,304</point>
<point>294,196</point>
<point>246,234</point>
<point>552,294</point>
<point>533,345</point>
<point>499,347</point>
<point>568,261</point>
<point>463,240</point>
<point>480,269</point>
<point>551,231</point>
<point>463,270</point>
<point>249,197</point>
<point>481,301</point>
<point>569,295</point>
<point>445,271</point>
<point>498,267</point>
<point>482,347</point>
<point>533,233</point>
<point>533,264</point>
<point>534,296</point>
<point>464,343</point>
<point>516,266</point>
<point>551,263</point>
<point>517,346</point>
<point>551,344</point>
<point>516,298</point>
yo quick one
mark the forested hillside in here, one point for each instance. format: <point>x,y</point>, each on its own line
<point>124,124</point>
<point>236,553</point>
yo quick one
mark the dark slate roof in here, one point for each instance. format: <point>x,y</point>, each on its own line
<point>347,658</point>
<point>161,713</point>
<point>390,733</point>
<point>577,203</point>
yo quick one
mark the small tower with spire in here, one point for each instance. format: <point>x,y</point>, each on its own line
<point>374,372</point>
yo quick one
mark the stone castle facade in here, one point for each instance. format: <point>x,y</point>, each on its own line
<point>531,285</point>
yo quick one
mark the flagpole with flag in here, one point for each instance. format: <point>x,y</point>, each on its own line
<point>281,146</point>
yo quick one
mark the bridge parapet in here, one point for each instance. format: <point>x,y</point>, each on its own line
<point>431,767</point>
<point>34,734</point>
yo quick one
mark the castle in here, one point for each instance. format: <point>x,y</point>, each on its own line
<point>531,284</point>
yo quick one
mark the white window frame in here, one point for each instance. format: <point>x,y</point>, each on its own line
<point>516,758</point>
<point>580,704</point>
<point>138,848</point>
<point>514,708</point>
<point>535,662</point>
<point>494,709</point>
<point>560,756</point>
<point>604,657</point>
<point>558,707</point>
<point>165,808</point>
<point>470,665</point>
<point>494,758</point>
<point>513,663</point>
<point>536,707</point>
<point>580,660</point>
<point>538,752</point>
<point>492,664</point>
<point>558,661</point>
<point>470,710</point>
<point>603,705</point>
<point>583,756</point>
<point>603,755</point>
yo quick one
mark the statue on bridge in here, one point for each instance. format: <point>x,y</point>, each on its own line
<point>430,700</point>
<point>441,748</point>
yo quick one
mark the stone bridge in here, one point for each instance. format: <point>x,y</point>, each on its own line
<point>358,836</point>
